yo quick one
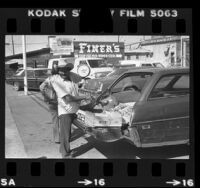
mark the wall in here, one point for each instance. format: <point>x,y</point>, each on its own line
<point>40,60</point>
<point>166,53</point>
<point>142,57</point>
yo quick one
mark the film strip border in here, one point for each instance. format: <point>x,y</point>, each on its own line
<point>100,173</point>
<point>123,21</point>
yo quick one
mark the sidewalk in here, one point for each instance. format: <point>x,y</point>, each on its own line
<point>29,129</point>
<point>14,147</point>
<point>28,126</point>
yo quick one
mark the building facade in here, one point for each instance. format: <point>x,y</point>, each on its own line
<point>171,51</point>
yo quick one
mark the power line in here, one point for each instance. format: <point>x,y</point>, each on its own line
<point>27,43</point>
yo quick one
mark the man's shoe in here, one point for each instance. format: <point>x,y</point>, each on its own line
<point>70,155</point>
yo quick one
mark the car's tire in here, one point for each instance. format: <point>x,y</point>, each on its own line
<point>16,86</point>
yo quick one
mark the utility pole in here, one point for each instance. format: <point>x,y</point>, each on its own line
<point>182,60</point>
<point>25,64</point>
<point>13,48</point>
<point>118,38</point>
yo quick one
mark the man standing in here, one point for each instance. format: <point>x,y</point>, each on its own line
<point>53,107</point>
<point>68,105</point>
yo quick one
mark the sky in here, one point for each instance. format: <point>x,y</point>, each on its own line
<point>35,42</point>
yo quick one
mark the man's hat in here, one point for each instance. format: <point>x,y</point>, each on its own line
<point>67,67</point>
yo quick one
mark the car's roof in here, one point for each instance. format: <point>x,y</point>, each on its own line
<point>160,70</point>
<point>37,69</point>
<point>55,59</point>
<point>88,58</point>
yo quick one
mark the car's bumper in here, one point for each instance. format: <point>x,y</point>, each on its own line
<point>105,134</point>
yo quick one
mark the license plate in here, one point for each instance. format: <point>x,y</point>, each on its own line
<point>86,93</point>
<point>81,117</point>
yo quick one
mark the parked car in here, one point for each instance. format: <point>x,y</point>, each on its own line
<point>35,77</point>
<point>160,108</point>
<point>21,68</point>
<point>89,68</point>
<point>94,87</point>
<point>59,61</point>
<point>138,63</point>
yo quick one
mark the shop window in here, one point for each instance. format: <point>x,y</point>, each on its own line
<point>172,59</point>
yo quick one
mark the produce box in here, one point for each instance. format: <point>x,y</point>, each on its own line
<point>100,119</point>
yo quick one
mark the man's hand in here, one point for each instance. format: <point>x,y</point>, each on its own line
<point>87,97</point>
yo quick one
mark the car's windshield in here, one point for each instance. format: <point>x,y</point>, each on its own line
<point>117,72</point>
<point>19,72</point>
<point>146,65</point>
<point>96,63</point>
<point>159,65</point>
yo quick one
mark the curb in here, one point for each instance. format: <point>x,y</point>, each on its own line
<point>14,147</point>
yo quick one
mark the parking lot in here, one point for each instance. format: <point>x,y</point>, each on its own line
<point>32,123</point>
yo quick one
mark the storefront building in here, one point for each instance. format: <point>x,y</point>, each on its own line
<point>138,54</point>
<point>171,51</point>
<point>35,59</point>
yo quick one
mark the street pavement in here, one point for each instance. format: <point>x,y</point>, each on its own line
<point>29,135</point>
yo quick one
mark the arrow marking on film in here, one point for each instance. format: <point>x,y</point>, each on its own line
<point>174,182</point>
<point>85,182</point>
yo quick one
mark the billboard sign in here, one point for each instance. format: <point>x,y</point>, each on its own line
<point>99,49</point>
<point>61,46</point>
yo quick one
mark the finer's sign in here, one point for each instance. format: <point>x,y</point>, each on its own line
<point>61,46</point>
<point>99,49</point>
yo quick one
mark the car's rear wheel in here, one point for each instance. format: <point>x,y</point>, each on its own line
<point>16,86</point>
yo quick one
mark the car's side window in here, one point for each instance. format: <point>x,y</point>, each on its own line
<point>40,73</point>
<point>30,73</point>
<point>82,63</point>
<point>55,62</point>
<point>131,82</point>
<point>171,86</point>
<point>182,83</point>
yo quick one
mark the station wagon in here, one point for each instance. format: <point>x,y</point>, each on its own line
<point>160,113</point>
